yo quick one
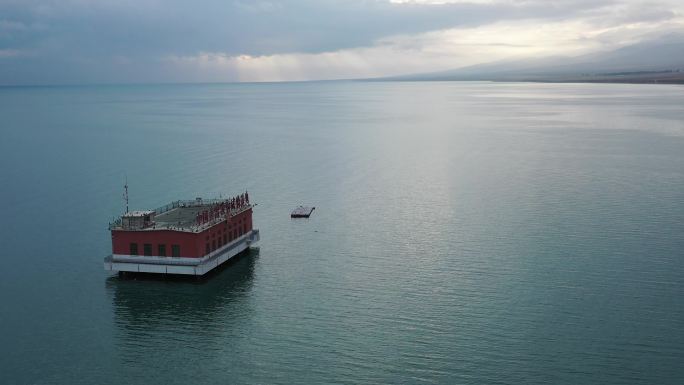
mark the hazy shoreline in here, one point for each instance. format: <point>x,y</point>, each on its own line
<point>673,79</point>
<point>637,78</point>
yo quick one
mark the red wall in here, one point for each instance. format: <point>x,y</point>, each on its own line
<point>121,241</point>
<point>192,245</point>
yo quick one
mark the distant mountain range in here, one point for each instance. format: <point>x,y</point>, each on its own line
<point>653,61</point>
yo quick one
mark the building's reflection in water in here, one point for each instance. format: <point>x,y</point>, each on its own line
<point>156,315</point>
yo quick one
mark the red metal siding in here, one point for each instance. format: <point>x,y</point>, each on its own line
<point>121,241</point>
<point>192,245</point>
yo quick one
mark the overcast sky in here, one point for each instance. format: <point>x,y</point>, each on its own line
<point>112,41</point>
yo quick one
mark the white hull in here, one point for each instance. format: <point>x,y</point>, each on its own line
<point>186,266</point>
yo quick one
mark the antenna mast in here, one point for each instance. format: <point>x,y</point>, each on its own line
<point>125,196</point>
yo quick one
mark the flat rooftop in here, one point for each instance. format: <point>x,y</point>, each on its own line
<point>180,216</point>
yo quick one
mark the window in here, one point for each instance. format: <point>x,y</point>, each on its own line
<point>134,249</point>
<point>225,239</point>
<point>213,244</point>
<point>147,249</point>
<point>175,251</point>
<point>162,250</point>
<point>207,249</point>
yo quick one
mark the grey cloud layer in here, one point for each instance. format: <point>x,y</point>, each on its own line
<point>60,36</point>
<point>241,27</point>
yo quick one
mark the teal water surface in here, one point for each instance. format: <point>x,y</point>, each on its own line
<point>464,233</point>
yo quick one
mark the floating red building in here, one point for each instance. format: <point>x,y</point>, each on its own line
<point>184,237</point>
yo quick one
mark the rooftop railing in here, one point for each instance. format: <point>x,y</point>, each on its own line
<point>187,203</point>
<point>117,223</point>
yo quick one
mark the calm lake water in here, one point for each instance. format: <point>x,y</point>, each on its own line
<point>467,233</point>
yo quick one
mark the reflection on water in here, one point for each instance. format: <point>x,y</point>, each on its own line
<point>468,233</point>
<point>152,312</point>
